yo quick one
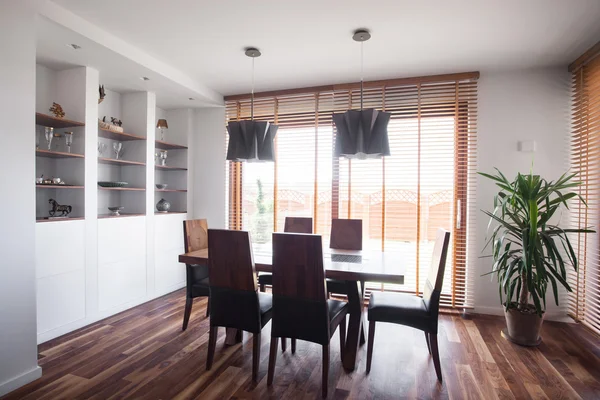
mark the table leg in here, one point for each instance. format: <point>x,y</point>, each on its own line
<point>355,325</point>
<point>232,336</point>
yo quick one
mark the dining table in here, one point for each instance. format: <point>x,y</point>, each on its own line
<point>353,267</point>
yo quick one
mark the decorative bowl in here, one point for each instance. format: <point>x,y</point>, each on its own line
<point>115,210</point>
<point>112,184</point>
<point>161,185</point>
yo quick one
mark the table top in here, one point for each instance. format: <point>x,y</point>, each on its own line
<point>371,266</point>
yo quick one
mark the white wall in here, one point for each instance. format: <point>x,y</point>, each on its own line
<point>207,152</point>
<point>18,350</point>
<point>515,106</point>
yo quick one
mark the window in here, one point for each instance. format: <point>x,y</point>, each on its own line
<point>584,301</point>
<point>426,183</point>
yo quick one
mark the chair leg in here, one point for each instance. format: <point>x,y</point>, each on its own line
<point>283,344</point>
<point>370,345</point>
<point>427,340</point>
<point>207,307</point>
<point>212,343</point>
<point>255,355</point>
<point>272,360</point>
<point>436,355</point>
<point>293,346</point>
<point>187,312</point>
<point>325,378</point>
<point>262,288</point>
<point>342,329</point>
<point>362,297</point>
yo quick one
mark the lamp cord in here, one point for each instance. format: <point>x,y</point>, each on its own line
<point>361,74</point>
<point>252,96</point>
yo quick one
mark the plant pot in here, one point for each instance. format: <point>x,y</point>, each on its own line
<point>523,327</point>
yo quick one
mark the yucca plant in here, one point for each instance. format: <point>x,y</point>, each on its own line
<point>528,250</point>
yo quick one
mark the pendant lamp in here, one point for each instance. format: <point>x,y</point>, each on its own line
<point>251,140</point>
<point>362,133</point>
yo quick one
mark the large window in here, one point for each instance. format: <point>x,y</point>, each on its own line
<point>426,183</point>
<point>584,304</point>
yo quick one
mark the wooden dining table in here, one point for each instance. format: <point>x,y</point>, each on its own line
<point>351,267</point>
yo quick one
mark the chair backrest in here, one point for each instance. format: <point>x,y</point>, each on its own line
<point>230,260</point>
<point>346,234</point>
<point>232,280</point>
<point>195,234</point>
<point>299,289</point>
<point>435,279</point>
<point>298,225</point>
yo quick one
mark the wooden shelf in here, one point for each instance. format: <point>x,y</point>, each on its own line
<point>122,188</point>
<point>171,190</point>
<point>47,120</point>
<point>168,168</point>
<point>121,137</point>
<point>59,219</point>
<point>169,212</point>
<point>56,154</point>
<point>122,215</point>
<point>160,144</point>
<point>112,161</point>
<point>57,187</point>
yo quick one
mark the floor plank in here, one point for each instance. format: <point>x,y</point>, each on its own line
<point>142,353</point>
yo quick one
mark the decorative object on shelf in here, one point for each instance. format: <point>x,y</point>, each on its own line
<point>161,185</point>
<point>101,148</point>
<point>102,94</point>
<point>118,150</point>
<point>68,140</point>
<point>115,210</point>
<point>108,184</point>
<point>57,181</point>
<point>163,206</point>
<point>116,122</point>
<point>162,125</point>
<point>57,208</point>
<point>49,135</point>
<point>40,180</point>
<point>251,140</point>
<point>57,136</point>
<point>57,110</point>
<point>109,127</point>
<point>162,158</point>
<point>526,248</point>
<point>362,133</point>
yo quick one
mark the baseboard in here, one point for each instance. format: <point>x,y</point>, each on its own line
<point>23,379</point>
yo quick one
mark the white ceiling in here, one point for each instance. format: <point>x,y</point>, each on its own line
<point>308,42</point>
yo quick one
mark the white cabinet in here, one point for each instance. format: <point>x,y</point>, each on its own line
<point>168,244</point>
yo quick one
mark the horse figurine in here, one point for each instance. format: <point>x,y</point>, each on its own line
<point>65,210</point>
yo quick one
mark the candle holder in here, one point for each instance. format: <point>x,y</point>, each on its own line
<point>49,135</point>
<point>162,157</point>
<point>69,140</point>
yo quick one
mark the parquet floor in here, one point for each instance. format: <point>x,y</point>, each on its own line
<point>142,353</point>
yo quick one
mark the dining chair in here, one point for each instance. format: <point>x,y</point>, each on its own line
<point>292,225</point>
<point>417,312</point>
<point>195,237</point>
<point>234,299</point>
<point>301,309</point>
<point>346,234</point>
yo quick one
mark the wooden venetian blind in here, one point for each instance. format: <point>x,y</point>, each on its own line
<point>428,181</point>
<point>584,301</point>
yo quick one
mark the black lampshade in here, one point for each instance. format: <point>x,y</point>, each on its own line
<point>362,134</point>
<point>251,141</point>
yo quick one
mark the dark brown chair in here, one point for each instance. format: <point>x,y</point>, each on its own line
<point>234,299</point>
<point>195,237</point>
<point>417,312</point>
<point>291,225</point>
<point>301,309</point>
<point>346,234</point>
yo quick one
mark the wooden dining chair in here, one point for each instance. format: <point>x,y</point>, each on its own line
<point>417,312</point>
<point>195,237</point>
<point>234,299</point>
<point>291,225</point>
<point>346,234</point>
<point>301,309</point>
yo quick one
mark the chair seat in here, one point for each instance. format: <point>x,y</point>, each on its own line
<point>400,308</point>
<point>265,304</point>
<point>265,279</point>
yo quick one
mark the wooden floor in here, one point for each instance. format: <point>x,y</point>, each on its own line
<point>142,353</point>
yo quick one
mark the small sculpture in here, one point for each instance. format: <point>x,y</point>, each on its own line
<point>57,110</point>
<point>116,122</point>
<point>163,206</point>
<point>102,94</point>
<point>64,210</point>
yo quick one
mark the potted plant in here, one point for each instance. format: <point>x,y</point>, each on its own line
<point>530,251</point>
